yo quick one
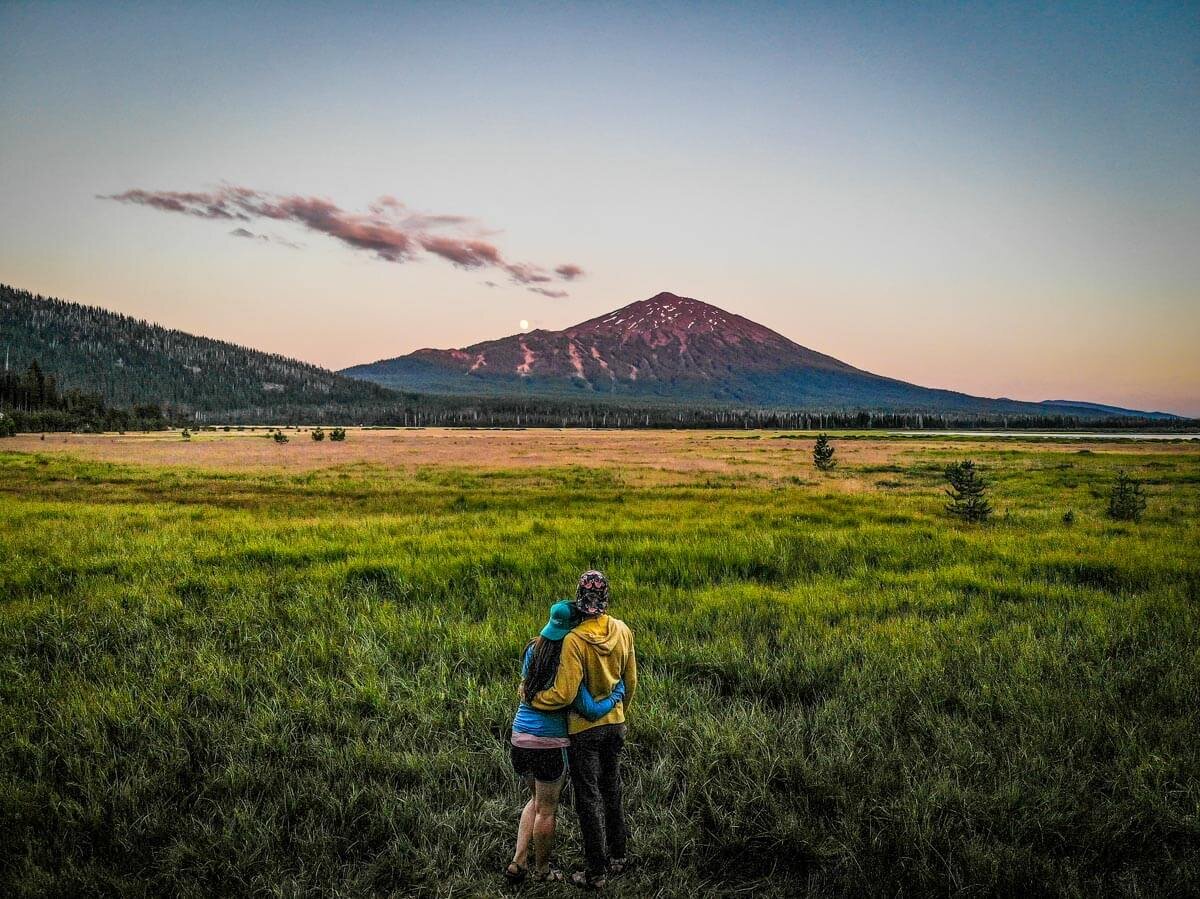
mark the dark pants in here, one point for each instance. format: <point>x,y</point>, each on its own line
<point>595,757</point>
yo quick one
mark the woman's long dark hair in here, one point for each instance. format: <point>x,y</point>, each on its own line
<point>543,666</point>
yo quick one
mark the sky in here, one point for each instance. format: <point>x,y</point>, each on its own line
<point>1002,199</point>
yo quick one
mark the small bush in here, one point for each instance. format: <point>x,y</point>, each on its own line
<point>1126,500</point>
<point>317,434</point>
<point>8,427</point>
<point>279,437</point>
<point>338,434</point>
<point>186,434</point>
<point>967,492</point>
<point>823,454</point>
<point>1068,517</point>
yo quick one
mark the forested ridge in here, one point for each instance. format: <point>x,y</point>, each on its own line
<point>129,361</point>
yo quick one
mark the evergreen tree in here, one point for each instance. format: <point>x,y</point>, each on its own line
<point>823,454</point>
<point>35,386</point>
<point>967,492</point>
<point>1126,500</point>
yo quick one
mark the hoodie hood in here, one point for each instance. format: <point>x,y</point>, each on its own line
<point>602,632</point>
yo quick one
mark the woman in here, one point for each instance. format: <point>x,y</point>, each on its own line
<point>539,744</point>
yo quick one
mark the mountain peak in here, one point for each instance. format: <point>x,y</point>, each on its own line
<point>666,317</point>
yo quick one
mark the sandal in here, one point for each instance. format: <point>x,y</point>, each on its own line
<point>515,873</point>
<point>550,875</point>
<point>586,881</point>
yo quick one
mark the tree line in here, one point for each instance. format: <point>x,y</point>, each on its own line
<point>434,410</point>
<point>32,401</point>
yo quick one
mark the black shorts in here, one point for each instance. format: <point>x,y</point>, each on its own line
<point>546,765</point>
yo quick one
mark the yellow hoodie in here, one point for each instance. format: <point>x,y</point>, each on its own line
<point>598,652</point>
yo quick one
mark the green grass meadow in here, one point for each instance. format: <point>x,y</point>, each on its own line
<point>219,683</point>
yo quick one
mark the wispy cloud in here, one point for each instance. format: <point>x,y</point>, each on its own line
<point>269,238</point>
<point>388,229</point>
<point>555,294</point>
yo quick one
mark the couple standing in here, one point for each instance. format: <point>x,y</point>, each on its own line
<point>582,653</point>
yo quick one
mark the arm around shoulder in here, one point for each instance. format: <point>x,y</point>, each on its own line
<point>566,683</point>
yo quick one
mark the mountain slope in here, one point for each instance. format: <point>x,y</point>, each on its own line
<point>130,361</point>
<point>678,348</point>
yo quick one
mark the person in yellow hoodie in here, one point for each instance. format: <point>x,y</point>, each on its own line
<point>598,652</point>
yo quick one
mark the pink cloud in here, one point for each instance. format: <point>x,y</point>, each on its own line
<point>465,253</point>
<point>207,206</point>
<point>526,274</point>
<point>388,229</point>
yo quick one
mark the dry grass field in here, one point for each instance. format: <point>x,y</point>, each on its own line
<point>643,457</point>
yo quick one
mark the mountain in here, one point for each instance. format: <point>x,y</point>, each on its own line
<point>130,361</point>
<point>678,348</point>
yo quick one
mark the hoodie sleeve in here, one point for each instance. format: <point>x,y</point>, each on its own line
<point>567,681</point>
<point>629,675</point>
<point>593,709</point>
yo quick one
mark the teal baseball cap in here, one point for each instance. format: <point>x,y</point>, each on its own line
<point>563,617</point>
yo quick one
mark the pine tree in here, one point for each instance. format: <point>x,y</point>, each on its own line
<point>967,492</point>
<point>823,454</point>
<point>1126,501</point>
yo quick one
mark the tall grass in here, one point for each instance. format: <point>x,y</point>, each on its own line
<point>216,684</point>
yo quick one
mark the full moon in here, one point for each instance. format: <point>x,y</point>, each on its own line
<point>524,325</point>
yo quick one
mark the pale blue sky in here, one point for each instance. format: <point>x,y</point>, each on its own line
<point>1001,198</point>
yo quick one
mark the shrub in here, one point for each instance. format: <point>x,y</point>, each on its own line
<point>279,437</point>
<point>967,492</point>
<point>338,434</point>
<point>186,434</point>
<point>1126,500</point>
<point>8,427</point>
<point>317,434</point>
<point>823,454</point>
<point>1068,517</point>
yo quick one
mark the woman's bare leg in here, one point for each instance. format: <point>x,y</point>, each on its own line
<point>525,827</point>
<point>545,799</point>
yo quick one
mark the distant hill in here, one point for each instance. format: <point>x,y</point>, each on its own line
<point>128,361</point>
<point>1102,409</point>
<point>674,348</point>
